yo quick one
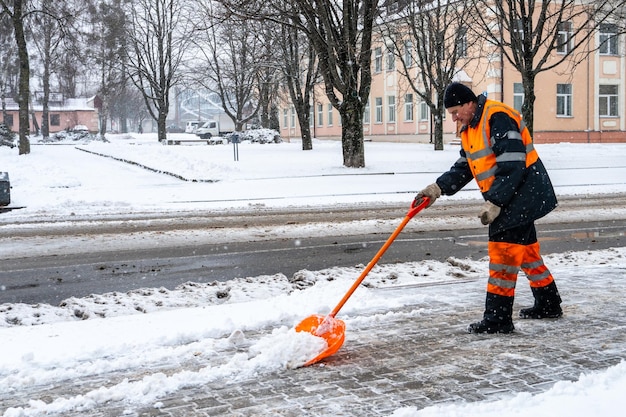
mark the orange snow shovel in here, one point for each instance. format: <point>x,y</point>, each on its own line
<point>334,330</point>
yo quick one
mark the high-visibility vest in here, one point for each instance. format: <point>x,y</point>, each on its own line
<point>477,144</point>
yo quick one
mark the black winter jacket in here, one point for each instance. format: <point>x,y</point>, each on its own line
<point>524,194</point>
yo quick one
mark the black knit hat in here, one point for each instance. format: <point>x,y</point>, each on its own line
<point>457,94</point>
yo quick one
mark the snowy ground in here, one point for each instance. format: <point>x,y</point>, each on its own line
<point>60,183</point>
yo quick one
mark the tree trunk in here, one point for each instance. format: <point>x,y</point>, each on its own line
<point>438,132</point>
<point>305,126</point>
<point>351,112</point>
<point>45,117</point>
<point>35,124</point>
<point>4,109</point>
<point>104,120</point>
<point>438,124</point>
<point>24,77</point>
<point>103,117</point>
<point>529,102</point>
<point>161,125</point>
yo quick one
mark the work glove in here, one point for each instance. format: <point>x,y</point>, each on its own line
<point>489,212</point>
<point>432,191</point>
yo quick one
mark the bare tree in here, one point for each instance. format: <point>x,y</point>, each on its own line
<point>129,105</point>
<point>16,13</point>
<point>157,42</point>
<point>231,62</point>
<point>270,74</point>
<point>108,39</point>
<point>9,67</point>
<point>529,34</point>
<point>300,75</point>
<point>432,44</point>
<point>341,33</point>
<point>50,27</point>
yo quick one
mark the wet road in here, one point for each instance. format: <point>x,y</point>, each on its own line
<point>51,279</point>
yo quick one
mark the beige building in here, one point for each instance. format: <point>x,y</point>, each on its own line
<point>574,103</point>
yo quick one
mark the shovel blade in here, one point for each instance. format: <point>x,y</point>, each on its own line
<point>331,329</point>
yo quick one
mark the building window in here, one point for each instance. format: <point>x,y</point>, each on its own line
<point>320,115</point>
<point>366,112</point>
<point>8,120</point>
<point>55,119</point>
<point>408,107</point>
<point>285,119</point>
<point>565,35</point>
<point>608,39</point>
<point>424,111</point>
<point>379,110</point>
<point>293,116</point>
<point>330,114</point>
<point>461,43</point>
<point>311,116</point>
<point>378,59</point>
<point>408,54</point>
<point>564,100</point>
<point>518,96</point>
<point>607,104</point>
<point>391,109</point>
<point>391,59</point>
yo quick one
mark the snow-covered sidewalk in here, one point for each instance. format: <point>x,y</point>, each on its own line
<point>199,353</point>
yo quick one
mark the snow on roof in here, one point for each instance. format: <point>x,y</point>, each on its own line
<point>81,103</point>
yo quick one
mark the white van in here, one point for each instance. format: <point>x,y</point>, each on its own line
<point>208,130</point>
<point>192,125</point>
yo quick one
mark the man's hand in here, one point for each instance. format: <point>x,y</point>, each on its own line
<point>489,212</point>
<point>432,191</point>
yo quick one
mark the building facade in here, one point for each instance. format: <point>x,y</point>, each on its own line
<point>580,100</point>
<point>63,114</point>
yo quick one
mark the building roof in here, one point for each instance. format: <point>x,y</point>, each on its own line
<point>69,104</point>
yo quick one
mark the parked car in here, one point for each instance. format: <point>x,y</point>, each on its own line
<point>174,128</point>
<point>78,132</point>
<point>212,128</point>
<point>192,125</point>
<point>80,129</point>
<point>207,130</point>
<point>261,136</point>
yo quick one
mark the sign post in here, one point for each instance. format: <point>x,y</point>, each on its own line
<point>234,138</point>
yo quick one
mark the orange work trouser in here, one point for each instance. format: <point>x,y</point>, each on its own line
<point>511,251</point>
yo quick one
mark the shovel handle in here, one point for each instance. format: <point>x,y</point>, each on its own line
<point>416,207</point>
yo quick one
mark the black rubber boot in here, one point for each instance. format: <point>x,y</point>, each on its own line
<point>547,304</point>
<point>497,317</point>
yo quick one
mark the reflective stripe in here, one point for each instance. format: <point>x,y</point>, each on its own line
<point>483,161</point>
<point>509,269</point>
<point>538,277</point>
<point>480,154</point>
<point>484,175</point>
<point>502,283</point>
<point>484,123</point>
<point>532,265</point>
<point>511,157</point>
<point>512,134</point>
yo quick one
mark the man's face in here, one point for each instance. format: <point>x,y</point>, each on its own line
<point>462,113</point>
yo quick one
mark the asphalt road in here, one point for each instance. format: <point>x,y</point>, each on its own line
<point>53,278</point>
